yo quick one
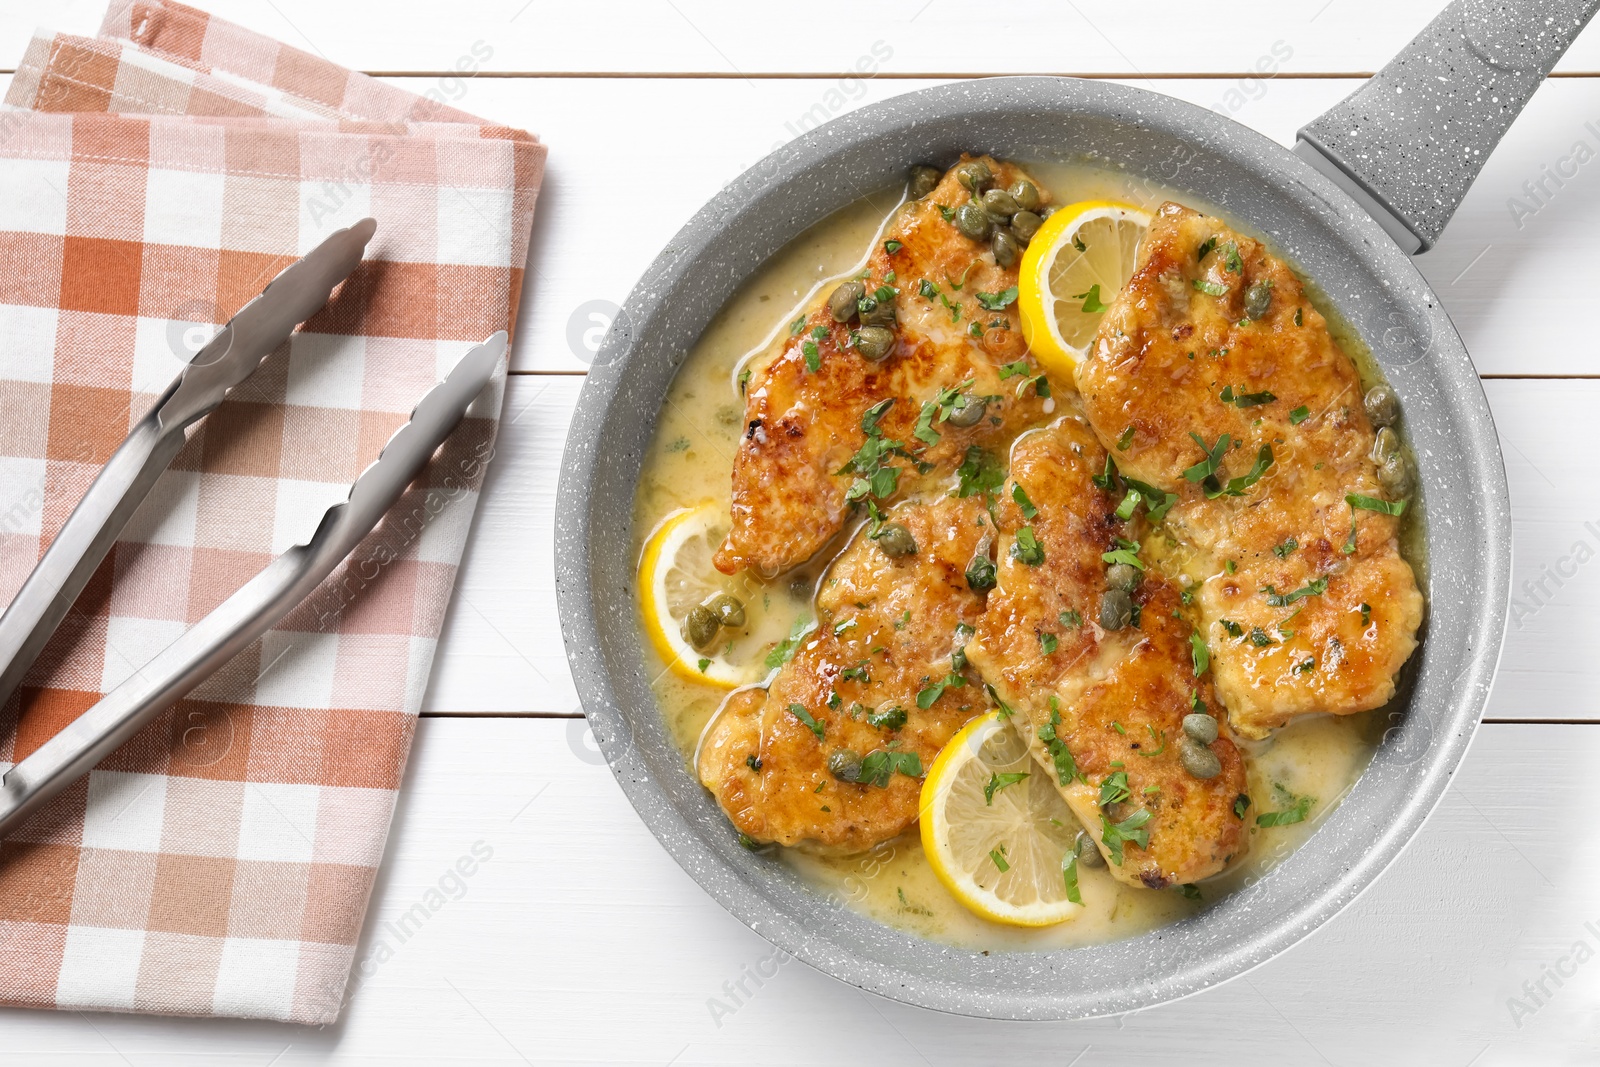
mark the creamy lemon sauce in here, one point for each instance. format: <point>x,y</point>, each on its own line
<point>689,465</point>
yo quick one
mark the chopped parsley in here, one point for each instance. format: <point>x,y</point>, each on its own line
<point>1210,288</point>
<point>1206,470</point>
<point>1020,495</point>
<point>1190,891</point>
<point>938,410</point>
<point>1130,830</point>
<point>1092,304</point>
<point>1126,438</point>
<point>1069,872</point>
<point>1299,415</point>
<point>997,301</point>
<point>1372,503</point>
<point>875,478</point>
<point>1282,551</point>
<point>979,472</point>
<point>927,696</point>
<point>998,782</point>
<point>981,573</point>
<point>1199,653</point>
<point>1230,258</point>
<point>1259,638</point>
<point>1205,249</point>
<point>1241,804</point>
<point>1237,486</point>
<point>1148,494</point>
<point>1026,548</point>
<point>753,762</point>
<point>879,766</point>
<point>704,663</point>
<point>1066,766</point>
<point>1048,643</point>
<point>1282,600</point>
<point>997,855</point>
<point>1123,553</point>
<point>1233,628</point>
<point>1241,399</point>
<point>1366,614</point>
<point>1011,370</point>
<point>1299,319</point>
<point>1288,816</point>
<point>1305,666</point>
<point>1114,789</point>
<point>892,246</point>
<point>1070,619</point>
<point>813,356</point>
<point>784,650</point>
<point>797,326</point>
<point>799,711</point>
<point>888,718</point>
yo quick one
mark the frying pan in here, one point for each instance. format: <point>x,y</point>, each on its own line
<point>1369,183</point>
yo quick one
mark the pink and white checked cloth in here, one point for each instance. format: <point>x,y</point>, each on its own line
<point>152,180</point>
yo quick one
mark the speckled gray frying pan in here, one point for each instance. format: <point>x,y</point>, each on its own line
<point>1402,150</point>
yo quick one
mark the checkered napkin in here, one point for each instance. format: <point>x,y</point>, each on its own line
<point>151,182</point>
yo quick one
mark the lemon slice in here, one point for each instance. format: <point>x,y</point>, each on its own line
<point>1081,256</point>
<point>675,577</point>
<point>1000,855</point>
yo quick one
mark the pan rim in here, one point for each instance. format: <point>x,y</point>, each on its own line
<point>596,664</point>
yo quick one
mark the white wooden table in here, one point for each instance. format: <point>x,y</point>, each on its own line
<point>580,940</point>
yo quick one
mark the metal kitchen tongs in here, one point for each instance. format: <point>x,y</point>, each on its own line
<point>95,524</point>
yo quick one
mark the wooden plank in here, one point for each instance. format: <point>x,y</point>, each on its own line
<point>834,36</point>
<point>580,941</point>
<point>501,649</point>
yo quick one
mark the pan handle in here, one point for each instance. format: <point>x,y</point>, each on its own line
<point>1408,143</point>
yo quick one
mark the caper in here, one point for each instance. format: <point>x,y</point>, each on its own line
<point>700,627</point>
<point>1123,576</point>
<point>845,765</point>
<point>1025,224</point>
<point>729,609</point>
<point>1088,852</point>
<point>980,572</point>
<point>1197,759</point>
<point>1383,407</point>
<point>800,587</point>
<point>1257,299</point>
<point>968,410</point>
<point>1386,444</point>
<point>1000,203</point>
<point>875,312</point>
<point>842,302</point>
<point>1026,194</point>
<point>922,180</point>
<point>1200,727</point>
<point>975,175</point>
<point>1007,249</point>
<point>1116,609</point>
<point>896,541</point>
<point>973,221</point>
<point>1394,474</point>
<point>874,342</point>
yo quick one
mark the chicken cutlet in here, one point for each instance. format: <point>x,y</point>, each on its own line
<point>1103,709</point>
<point>930,323</point>
<point>1220,383</point>
<point>833,749</point>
